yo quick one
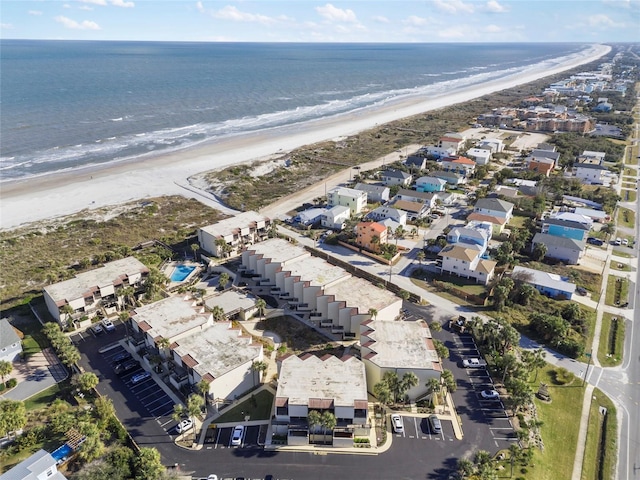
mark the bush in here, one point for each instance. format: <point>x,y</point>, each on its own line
<point>2,387</point>
<point>12,382</point>
<point>562,376</point>
<point>571,348</point>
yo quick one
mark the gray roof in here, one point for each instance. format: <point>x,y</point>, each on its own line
<point>566,223</point>
<point>590,166</point>
<point>443,174</point>
<point>396,174</point>
<point>545,154</point>
<point>561,242</point>
<point>544,279</point>
<point>431,180</point>
<point>414,160</point>
<point>494,204</point>
<point>8,335</point>
<point>368,187</point>
<point>404,192</point>
<point>34,467</point>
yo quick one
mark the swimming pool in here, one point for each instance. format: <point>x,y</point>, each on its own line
<point>181,272</point>
<point>62,452</point>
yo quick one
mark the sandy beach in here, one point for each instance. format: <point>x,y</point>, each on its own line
<point>65,193</point>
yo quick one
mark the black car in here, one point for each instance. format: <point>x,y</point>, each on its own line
<point>126,366</point>
<point>595,241</point>
<point>120,358</point>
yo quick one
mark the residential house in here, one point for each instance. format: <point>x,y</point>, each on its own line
<point>430,184</point>
<point>416,163</point>
<point>589,154</point>
<point>396,177</point>
<point>564,249</point>
<point>333,296</point>
<point>39,466</point>
<point>497,223</point>
<point>590,173</point>
<point>199,347</point>
<point>382,213</point>
<point>465,261</point>
<point>548,284</point>
<point>429,198</point>
<point>451,140</point>
<point>595,215</point>
<point>322,384</point>
<point>336,217</point>
<point>356,200</point>
<point>494,145</point>
<point>481,156</point>
<point>414,210</point>
<point>375,193</point>
<point>451,178</point>
<point>542,161</point>
<point>310,216</point>
<point>10,343</point>
<point>494,207</point>
<point>511,193</point>
<point>474,233</point>
<point>88,292</point>
<point>457,164</point>
<point>371,235</point>
<point>399,347</point>
<point>434,151</point>
<point>231,235</point>
<point>573,217</point>
<point>565,228</point>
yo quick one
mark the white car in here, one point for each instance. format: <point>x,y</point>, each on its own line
<point>184,425</point>
<point>108,325</point>
<point>97,329</point>
<point>396,421</point>
<point>489,394</point>
<point>238,433</point>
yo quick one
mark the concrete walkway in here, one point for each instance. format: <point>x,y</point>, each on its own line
<point>39,372</point>
<point>582,434</point>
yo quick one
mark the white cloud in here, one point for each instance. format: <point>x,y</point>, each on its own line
<point>35,12</point>
<point>95,2</point>
<point>86,8</point>
<point>6,26</point>
<point>66,5</point>
<point>380,19</point>
<point>453,6</point>
<point>492,29</point>
<point>415,21</point>
<point>122,3</point>
<point>200,7</point>
<point>602,21</point>
<point>72,24</point>
<point>337,14</point>
<point>232,13</point>
<point>494,7</point>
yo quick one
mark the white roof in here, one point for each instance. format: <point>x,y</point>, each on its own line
<point>230,225</point>
<point>232,301</point>
<point>171,317</point>
<point>34,467</point>
<point>330,378</point>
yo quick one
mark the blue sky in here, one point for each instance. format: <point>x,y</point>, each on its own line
<point>321,21</point>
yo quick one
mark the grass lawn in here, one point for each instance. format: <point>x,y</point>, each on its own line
<point>258,410</point>
<point>610,349</point>
<point>599,456</point>
<point>628,195</point>
<point>518,221</point>
<point>559,431</point>
<point>622,267</point>
<point>44,398</point>
<point>613,284</point>
<point>590,322</point>
<point>626,218</point>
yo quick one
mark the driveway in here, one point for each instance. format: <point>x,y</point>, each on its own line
<point>39,372</point>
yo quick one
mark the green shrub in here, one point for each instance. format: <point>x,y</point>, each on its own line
<point>2,387</point>
<point>12,382</point>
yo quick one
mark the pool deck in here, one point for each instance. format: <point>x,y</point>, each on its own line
<point>169,267</point>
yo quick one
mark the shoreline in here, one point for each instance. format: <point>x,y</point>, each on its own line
<point>64,193</point>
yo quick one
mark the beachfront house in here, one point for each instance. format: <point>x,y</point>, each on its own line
<point>454,141</point>
<point>354,199</point>
<point>230,236</point>
<point>375,193</point>
<point>103,288</point>
<point>396,177</point>
<point>464,260</point>
<point>458,164</point>
<point>399,347</point>
<point>416,163</point>
<point>481,156</point>
<point>326,384</point>
<point>10,343</point>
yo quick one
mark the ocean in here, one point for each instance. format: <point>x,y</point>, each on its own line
<point>66,104</point>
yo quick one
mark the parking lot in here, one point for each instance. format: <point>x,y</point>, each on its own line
<point>469,400</point>
<point>220,437</point>
<point>419,428</point>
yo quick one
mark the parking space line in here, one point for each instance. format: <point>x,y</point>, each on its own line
<point>153,410</point>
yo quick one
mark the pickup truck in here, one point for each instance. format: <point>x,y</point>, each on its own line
<point>473,363</point>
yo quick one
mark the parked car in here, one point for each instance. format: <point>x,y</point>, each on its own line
<point>236,437</point>
<point>108,325</point>
<point>489,394</point>
<point>618,241</point>
<point>120,358</point>
<point>436,426</point>
<point>595,241</point>
<point>396,421</point>
<point>581,291</point>
<point>139,377</point>
<point>625,241</point>
<point>125,366</point>
<point>184,425</point>
<point>97,329</point>
<point>473,363</point>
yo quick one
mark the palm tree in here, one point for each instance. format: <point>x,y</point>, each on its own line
<point>194,248</point>
<point>382,393</point>
<point>218,313</point>
<point>163,344</point>
<point>328,422</point>
<point>373,312</point>
<point>375,243</point>
<point>314,419</point>
<point>261,305</point>
<point>223,280</point>
<point>5,368</point>
<point>433,387</point>
<point>221,247</point>
<point>398,233</point>
<point>538,361</point>
<point>448,381</point>
<point>409,380</point>
<point>203,389</point>
<point>421,256</point>
<point>68,311</point>
<point>127,294</point>
<point>260,367</point>
<point>194,410</point>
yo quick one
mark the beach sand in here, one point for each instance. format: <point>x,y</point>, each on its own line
<point>65,193</point>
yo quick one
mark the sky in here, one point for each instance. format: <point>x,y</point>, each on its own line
<point>387,21</point>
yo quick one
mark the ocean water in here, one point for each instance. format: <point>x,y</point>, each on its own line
<point>68,104</point>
